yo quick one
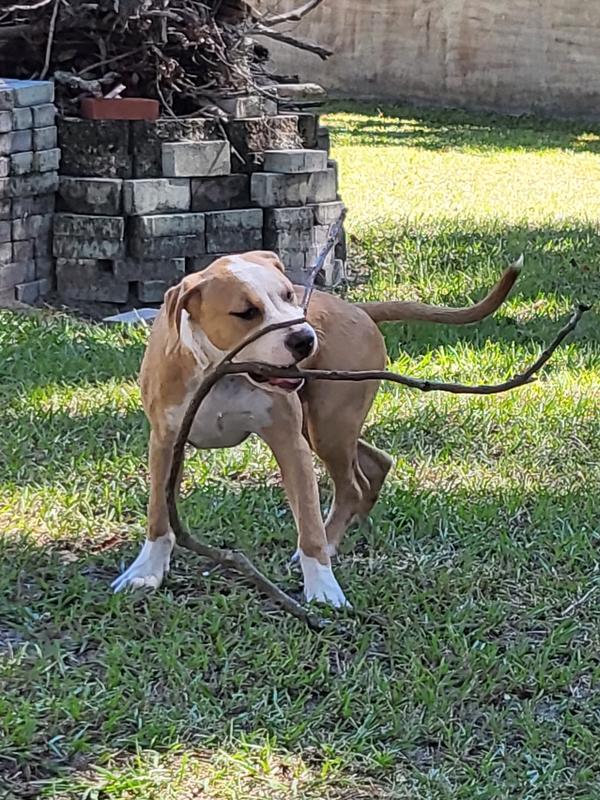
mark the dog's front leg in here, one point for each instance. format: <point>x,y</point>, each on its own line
<point>152,563</point>
<point>294,457</point>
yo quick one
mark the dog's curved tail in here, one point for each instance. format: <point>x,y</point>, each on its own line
<point>397,311</point>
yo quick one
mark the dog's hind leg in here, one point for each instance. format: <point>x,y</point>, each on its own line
<point>334,415</point>
<point>374,465</point>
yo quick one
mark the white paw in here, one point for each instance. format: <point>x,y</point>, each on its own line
<point>150,567</point>
<point>320,584</point>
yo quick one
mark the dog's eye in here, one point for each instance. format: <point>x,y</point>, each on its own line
<point>252,312</point>
<point>290,297</point>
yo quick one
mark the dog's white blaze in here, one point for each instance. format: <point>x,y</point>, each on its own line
<point>150,567</point>
<point>320,583</point>
<point>268,283</point>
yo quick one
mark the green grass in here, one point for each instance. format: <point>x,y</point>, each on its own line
<point>472,670</point>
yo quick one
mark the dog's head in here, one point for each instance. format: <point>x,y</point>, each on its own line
<point>212,311</point>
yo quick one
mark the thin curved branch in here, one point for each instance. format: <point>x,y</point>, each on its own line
<point>234,559</point>
<point>521,379</point>
<point>292,16</point>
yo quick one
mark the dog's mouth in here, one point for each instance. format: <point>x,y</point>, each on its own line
<point>285,384</point>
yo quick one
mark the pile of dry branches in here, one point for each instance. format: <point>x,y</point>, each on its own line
<point>184,53</point>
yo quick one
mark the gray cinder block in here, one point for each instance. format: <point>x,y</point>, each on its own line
<point>254,105</point>
<point>42,204</point>
<point>147,227</point>
<point>6,253</point>
<point>15,142</point>
<point>147,139</point>
<point>12,273</point>
<point>32,290</point>
<point>294,262</point>
<point>270,189</point>
<point>22,250</point>
<point>5,231</point>
<point>90,195</point>
<point>293,218</point>
<point>5,166</point>
<point>43,115</point>
<point>327,213</point>
<point>288,229</point>
<point>135,269</point>
<point>22,119</point>
<point>94,147</point>
<point>199,263</point>
<point>69,248</point>
<point>46,160</point>
<point>152,291</point>
<point>222,193</point>
<point>322,186</point>
<point>32,93</point>
<point>90,280</point>
<point>156,195</point>
<point>195,159</point>
<point>36,183</point>
<point>31,225</point>
<point>165,247</point>
<point>6,121</point>
<point>45,138</point>
<point>21,163</point>
<point>234,231</point>
<point>291,161</point>
<point>87,226</point>
<point>15,92</point>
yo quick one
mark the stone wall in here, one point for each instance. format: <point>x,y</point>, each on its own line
<point>502,55</point>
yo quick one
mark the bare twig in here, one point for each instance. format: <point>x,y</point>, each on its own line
<point>25,7</point>
<point>332,236</point>
<point>292,16</point>
<point>236,560</point>
<point>51,30</point>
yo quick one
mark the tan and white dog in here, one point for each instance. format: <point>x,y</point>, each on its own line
<point>209,313</point>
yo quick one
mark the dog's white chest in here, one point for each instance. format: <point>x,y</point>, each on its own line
<point>233,410</point>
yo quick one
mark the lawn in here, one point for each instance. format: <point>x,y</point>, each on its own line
<point>472,669</point>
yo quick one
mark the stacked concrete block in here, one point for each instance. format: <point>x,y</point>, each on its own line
<point>140,204</point>
<point>29,161</point>
<point>132,227</point>
<point>298,191</point>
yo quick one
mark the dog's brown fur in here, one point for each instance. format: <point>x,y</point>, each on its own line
<point>329,414</point>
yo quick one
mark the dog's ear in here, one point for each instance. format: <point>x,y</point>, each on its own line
<point>175,302</point>
<point>266,255</point>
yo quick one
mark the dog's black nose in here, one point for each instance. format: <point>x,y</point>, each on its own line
<point>300,343</point>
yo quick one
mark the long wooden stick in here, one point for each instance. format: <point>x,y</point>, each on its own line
<point>236,560</point>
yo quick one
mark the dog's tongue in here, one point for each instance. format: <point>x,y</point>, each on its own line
<point>289,384</point>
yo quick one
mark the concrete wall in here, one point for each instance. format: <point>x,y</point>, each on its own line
<point>507,55</point>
